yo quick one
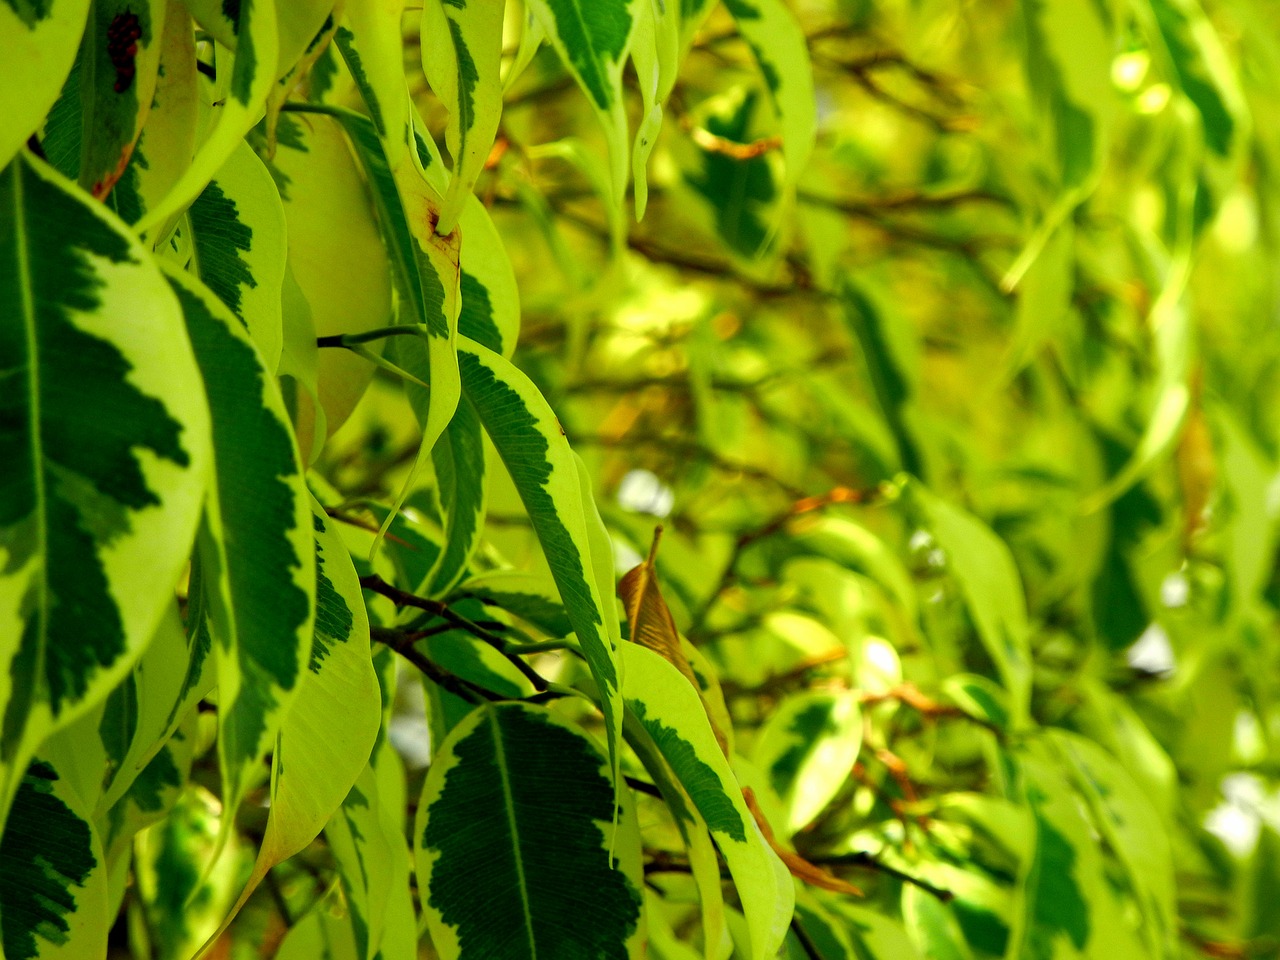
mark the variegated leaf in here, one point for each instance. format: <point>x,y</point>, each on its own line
<point>460,476</point>
<point>238,235</point>
<point>489,312</point>
<point>992,587</point>
<point>41,41</point>
<point>807,751</point>
<point>780,48</point>
<point>343,277</point>
<point>53,883</point>
<point>256,553</point>
<point>593,38</point>
<point>671,713</point>
<point>461,54</point>
<point>329,732</point>
<point>245,65</point>
<point>536,453</point>
<point>426,269</point>
<point>119,60</point>
<point>86,322</point>
<point>370,40</point>
<point>506,790</point>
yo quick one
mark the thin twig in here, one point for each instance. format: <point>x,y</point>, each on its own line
<point>402,598</point>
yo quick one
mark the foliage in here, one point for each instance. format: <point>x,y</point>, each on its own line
<point>351,354</point>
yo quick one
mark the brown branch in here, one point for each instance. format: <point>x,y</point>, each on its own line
<point>402,598</point>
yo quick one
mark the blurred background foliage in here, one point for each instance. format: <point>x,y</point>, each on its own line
<point>1029,274</point>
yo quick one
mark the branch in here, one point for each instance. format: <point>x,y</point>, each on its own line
<point>402,598</point>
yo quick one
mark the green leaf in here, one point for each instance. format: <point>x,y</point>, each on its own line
<point>460,474</point>
<point>781,50</point>
<point>992,588</point>
<point>807,749</point>
<point>593,38</point>
<point>461,53</point>
<point>238,232</point>
<point>86,323</point>
<point>525,795</point>
<point>246,77</point>
<point>119,61</point>
<point>427,272</point>
<point>255,545</point>
<point>932,926</point>
<point>329,732</point>
<point>655,52</point>
<point>1133,829</point>
<point>41,41</point>
<point>489,312</point>
<point>535,452</point>
<point>1192,52</point>
<point>669,709</point>
<point>370,40</point>
<point>53,889</point>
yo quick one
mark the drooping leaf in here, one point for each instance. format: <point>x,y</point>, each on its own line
<point>807,748</point>
<point>256,552</point>
<point>41,43</point>
<point>593,38</point>
<point>238,232</point>
<point>461,53</point>
<point>536,453</point>
<point>245,77</point>
<point>779,45</point>
<point>119,62</point>
<point>655,52</point>
<point>53,888</point>
<point>460,474</point>
<point>86,322</point>
<point>992,588</point>
<point>524,794</point>
<point>671,712</point>
<point>329,732</point>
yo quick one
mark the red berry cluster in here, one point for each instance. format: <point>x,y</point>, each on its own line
<point>122,47</point>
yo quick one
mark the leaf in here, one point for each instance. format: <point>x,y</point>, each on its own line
<point>53,889</point>
<point>255,546</point>
<point>490,303</point>
<point>427,273</point>
<point>593,37</point>
<point>672,714</point>
<point>461,55</point>
<point>343,277</point>
<point>1134,829</point>
<point>530,596</point>
<point>238,231</point>
<point>535,452</point>
<point>992,588</point>
<point>807,749</point>
<point>372,47</point>
<point>245,80</point>
<point>932,926</point>
<point>1196,57</point>
<point>1069,48</point>
<point>86,323</point>
<point>41,41</point>
<point>782,52</point>
<point>119,60</point>
<point>523,794</point>
<point>655,52</point>
<point>168,140</point>
<point>652,626</point>
<point>460,474</point>
<point>328,735</point>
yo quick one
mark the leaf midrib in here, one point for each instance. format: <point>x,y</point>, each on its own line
<point>509,806</point>
<point>27,297</point>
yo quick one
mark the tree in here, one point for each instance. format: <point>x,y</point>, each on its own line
<point>354,358</point>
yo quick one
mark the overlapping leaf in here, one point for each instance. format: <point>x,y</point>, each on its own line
<point>512,842</point>
<point>85,318</point>
<point>258,566</point>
